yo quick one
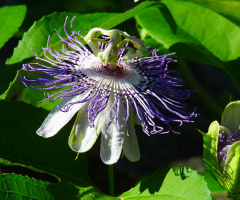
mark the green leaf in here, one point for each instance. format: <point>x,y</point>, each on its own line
<point>158,23</point>
<point>228,8</point>
<point>20,146</point>
<point>20,143</point>
<point>15,186</point>
<point>214,31</point>
<point>42,29</point>
<point>206,32</point>
<point>226,173</point>
<point>187,184</point>
<point>232,168</point>
<point>210,145</point>
<point>231,116</point>
<point>11,18</point>
<point>45,27</point>
<point>212,184</point>
<point>126,15</point>
<point>7,74</point>
<point>36,37</point>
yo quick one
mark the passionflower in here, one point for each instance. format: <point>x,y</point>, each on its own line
<point>221,150</point>
<point>107,83</point>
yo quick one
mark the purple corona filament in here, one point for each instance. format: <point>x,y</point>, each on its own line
<point>225,139</point>
<point>129,85</point>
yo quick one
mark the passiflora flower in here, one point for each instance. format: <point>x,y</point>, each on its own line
<point>107,82</point>
<point>221,152</point>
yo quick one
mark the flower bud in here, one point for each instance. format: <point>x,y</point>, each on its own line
<point>221,149</point>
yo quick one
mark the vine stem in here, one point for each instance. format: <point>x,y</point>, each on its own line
<point>111,179</point>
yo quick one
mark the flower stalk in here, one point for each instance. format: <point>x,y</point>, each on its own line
<point>111,179</point>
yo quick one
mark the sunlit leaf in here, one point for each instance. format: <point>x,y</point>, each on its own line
<point>214,31</point>
<point>231,117</point>
<point>187,184</point>
<point>229,8</point>
<point>11,18</point>
<point>36,37</point>
<point>212,184</point>
<point>206,32</point>
<point>15,186</point>
<point>126,15</point>
<point>158,23</point>
<point>210,144</point>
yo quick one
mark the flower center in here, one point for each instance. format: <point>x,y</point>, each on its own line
<point>225,140</point>
<point>110,54</point>
<point>124,71</point>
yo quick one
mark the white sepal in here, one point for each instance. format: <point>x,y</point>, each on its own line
<point>56,119</point>
<point>130,146</point>
<point>82,136</point>
<point>112,137</point>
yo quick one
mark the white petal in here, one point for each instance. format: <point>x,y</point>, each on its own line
<point>112,138</point>
<point>226,149</point>
<point>111,145</point>
<point>83,136</point>
<point>56,119</point>
<point>130,145</point>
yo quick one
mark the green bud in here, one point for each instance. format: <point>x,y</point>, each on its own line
<point>225,169</point>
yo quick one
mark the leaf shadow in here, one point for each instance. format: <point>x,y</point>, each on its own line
<point>169,18</point>
<point>154,186</point>
<point>154,182</point>
<point>68,189</point>
<point>181,171</point>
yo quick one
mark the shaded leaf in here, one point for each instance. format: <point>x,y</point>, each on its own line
<point>7,74</point>
<point>21,146</point>
<point>20,143</point>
